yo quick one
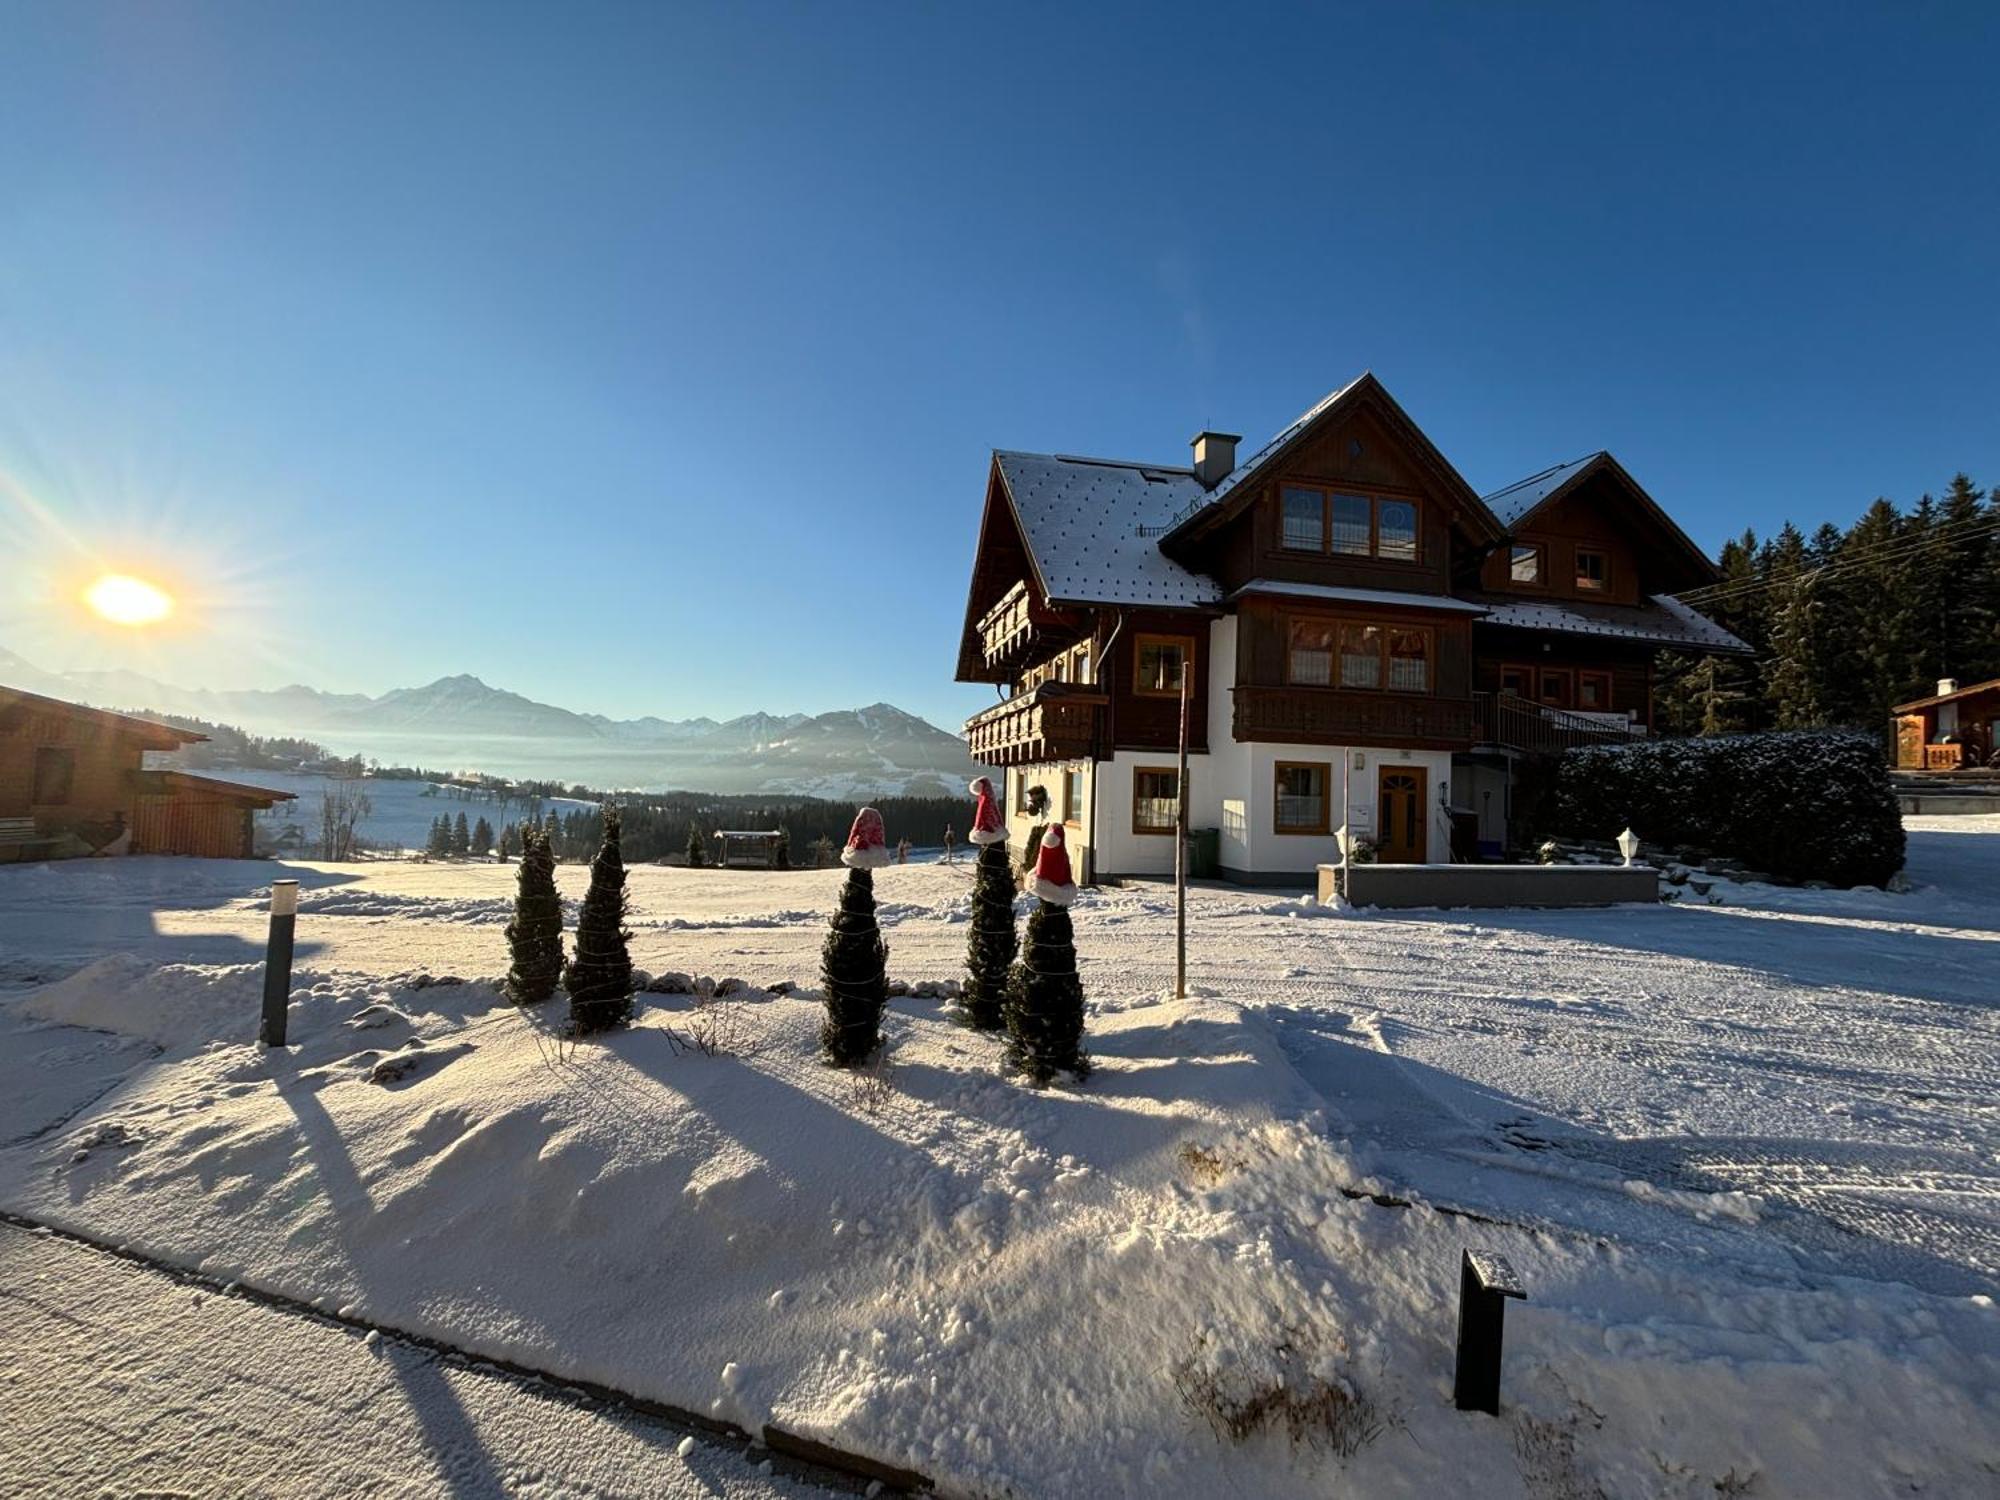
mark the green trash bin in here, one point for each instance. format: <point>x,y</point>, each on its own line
<point>1204,854</point>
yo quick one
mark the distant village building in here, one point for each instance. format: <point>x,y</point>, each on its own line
<point>1957,728</point>
<point>74,782</point>
<point>1371,645</point>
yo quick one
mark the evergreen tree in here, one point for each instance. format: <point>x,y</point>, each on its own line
<point>1792,632</point>
<point>461,837</point>
<point>599,977</point>
<point>552,829</point>
<point>697,850</point>
<point>534,937</point>
<point>508,836</point>
<point>822,852</point>
<point>781,851</point>
<point>438,845</point>
<point>1044,1009</point>
<point>482,837</point>
<point>991,942</point>
<point>854,970</point>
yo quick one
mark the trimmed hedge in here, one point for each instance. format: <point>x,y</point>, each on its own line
<point>1810,804</point>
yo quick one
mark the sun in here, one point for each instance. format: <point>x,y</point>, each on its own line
<point>125,600</point>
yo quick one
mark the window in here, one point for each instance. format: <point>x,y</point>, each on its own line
<point>1316,520</point>
<point>1309,661</point>
<point>1080,665</point>
<point>1352,518</point>
<point>1409,661</point>
<point>1555,691</point>
<point>1396,530</point>
<point>1072,796</point>
<point>1525,564</point>
<point>1301,796</point>
<point>1155,799</point>
<point>1025,796</point>
<point>55,773</point>
<point>1517,680</point>
<point>1305,519</point>
<point>1593,570</point>
<point>1361,656</point>
<point>1162,659</point>
<point>1593,691</point>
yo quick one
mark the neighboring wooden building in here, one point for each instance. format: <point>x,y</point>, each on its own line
<point>1371,644</point>
<point>73,782</point>
<point>1957,728</point>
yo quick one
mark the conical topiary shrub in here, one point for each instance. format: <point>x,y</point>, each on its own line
<point>854,964</point>
<point>599,978</point>
<point>534,937</point>
<point>1044,1009</point>
<point>991,942</point>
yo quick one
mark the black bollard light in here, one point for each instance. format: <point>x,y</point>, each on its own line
<point>1485,1282</point>
<point>278,961</point>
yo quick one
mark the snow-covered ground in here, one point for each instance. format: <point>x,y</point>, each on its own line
<point>400,812</point>
<point>1745,1155</point>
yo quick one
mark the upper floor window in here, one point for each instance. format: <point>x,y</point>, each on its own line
<point>1524,564</point>
<point>1305,519</point>
<point>1593,570</point>
<point>1409,660</point>
<point>55,774</point>
<point>1080,664</point>
<point>1309,653</point>
<point>1347,525</point>
<point>1361,656</point>
<point>1162,659</point>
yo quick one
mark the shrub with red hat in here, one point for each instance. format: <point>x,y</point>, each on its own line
<point>991,942</point>
<point>1044,1009</point>
<point>854,963</point>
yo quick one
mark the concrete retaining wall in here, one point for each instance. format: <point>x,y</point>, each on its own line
<point>1489,885</point>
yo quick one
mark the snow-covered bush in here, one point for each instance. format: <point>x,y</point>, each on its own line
<point>1808,804</point>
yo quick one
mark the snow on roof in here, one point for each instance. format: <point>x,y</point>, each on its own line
<point>1522,496</point>
<point>1082,520</point>
<point>1203,499</point>
<point>1357,596</point>
<point>1663,621</point>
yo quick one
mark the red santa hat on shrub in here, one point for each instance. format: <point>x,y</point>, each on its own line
<point>867,845</point>
<point>987,827</point>
<point>1053,882</point>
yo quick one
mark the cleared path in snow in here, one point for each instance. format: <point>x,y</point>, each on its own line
<point>115,1379</point>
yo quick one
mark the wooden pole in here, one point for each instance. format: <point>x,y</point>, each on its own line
<point>1180,841</point>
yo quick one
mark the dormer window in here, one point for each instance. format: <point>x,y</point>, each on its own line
<point>1593,571</point>
<point>1524,564</point>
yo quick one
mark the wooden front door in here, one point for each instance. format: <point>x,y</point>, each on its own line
<point>1400,815</point>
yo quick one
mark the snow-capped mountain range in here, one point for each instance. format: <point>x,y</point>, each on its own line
<point>462,723</point>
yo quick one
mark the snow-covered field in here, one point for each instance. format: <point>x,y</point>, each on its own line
<point>400,812</point>
<point>1745,1155</point>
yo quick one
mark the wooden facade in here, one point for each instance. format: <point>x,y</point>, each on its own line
<point>78,775</point>
<point>1956,729</point>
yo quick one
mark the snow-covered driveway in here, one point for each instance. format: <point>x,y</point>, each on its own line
<point>118,1380</point>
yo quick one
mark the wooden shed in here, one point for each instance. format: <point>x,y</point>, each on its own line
<point>66,774</point>
<point>177,812</point>
<point>1955,729</point>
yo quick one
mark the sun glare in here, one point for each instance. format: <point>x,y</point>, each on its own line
<point>125,600</point>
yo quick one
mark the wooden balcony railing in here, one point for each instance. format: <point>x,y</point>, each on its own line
<point>1516,723</point>
<point>1055,721</point>
<point>1344,716</point>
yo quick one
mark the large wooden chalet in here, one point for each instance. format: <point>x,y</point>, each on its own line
<point>1372,643</point>
<point>74,781</point>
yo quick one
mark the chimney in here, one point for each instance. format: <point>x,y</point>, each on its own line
<point>1214,457</point>
<point>1947,685</point>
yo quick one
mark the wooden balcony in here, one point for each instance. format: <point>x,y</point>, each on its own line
<point>1056,721</point>
<point>1345,716</point>
<point>1516,723</point>
<point>1017,630</point>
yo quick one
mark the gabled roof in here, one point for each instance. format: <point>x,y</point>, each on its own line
<point>1238,488</point>
<point>1520,501</point>
<point>1082,519</point>
<point>1662,621</point>
<point>1952,697</point>
<point>157,736</point>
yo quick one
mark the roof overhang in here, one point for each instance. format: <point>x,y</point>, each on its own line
<point>1335,594</point>
<point>1990,686</point>
<point>152,734</point>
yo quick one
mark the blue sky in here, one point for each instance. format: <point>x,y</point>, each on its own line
<point>646,359</point>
